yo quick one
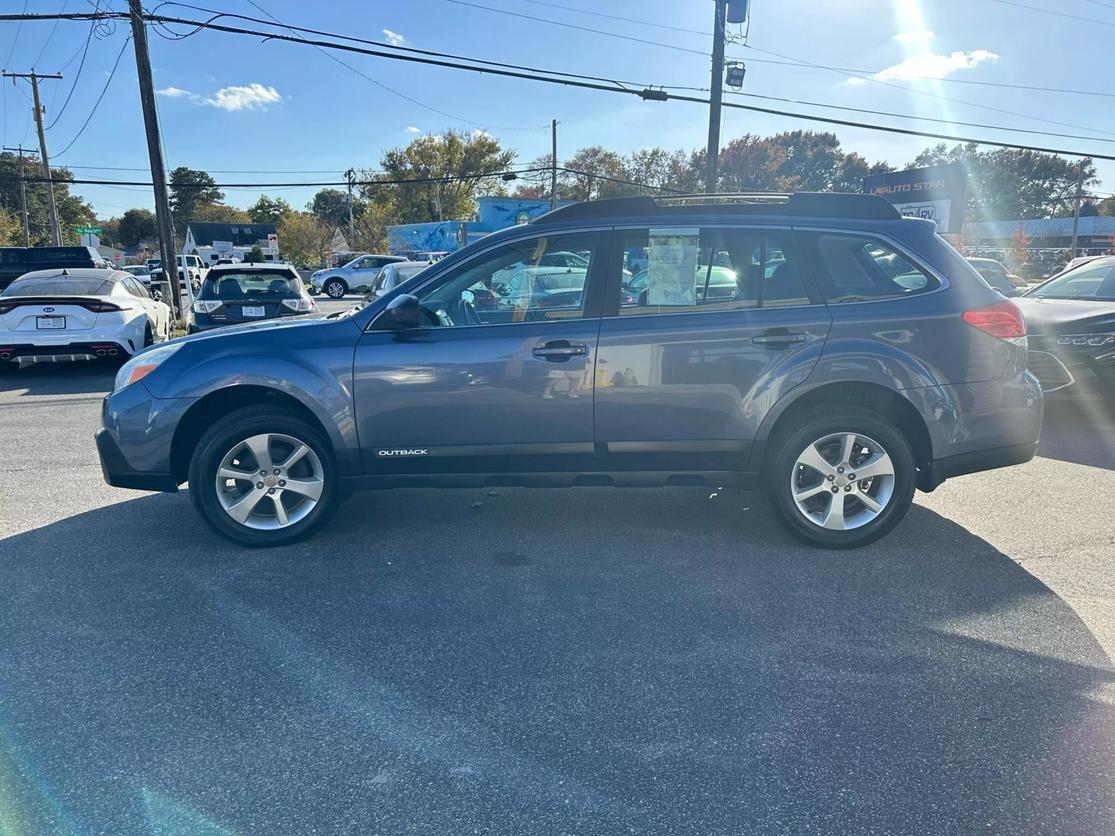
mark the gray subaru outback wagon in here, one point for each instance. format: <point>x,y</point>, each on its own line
<point>852,358</point>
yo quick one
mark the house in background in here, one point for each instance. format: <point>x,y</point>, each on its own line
<point>213,241</point>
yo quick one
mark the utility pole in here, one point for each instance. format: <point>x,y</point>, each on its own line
<point>22,197</point>
<point>553,165</point>
<point>155,153</point>
<point>52,207</point>
<point>350,175</point>
<point>716,95</point>
<point>1076,205</point>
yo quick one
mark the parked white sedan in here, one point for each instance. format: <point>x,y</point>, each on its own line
<point>79,314</point>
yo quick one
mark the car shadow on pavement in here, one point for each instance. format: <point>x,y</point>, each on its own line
<point>1081,432</point>
<point>70,378</point>
<point>523,661</point>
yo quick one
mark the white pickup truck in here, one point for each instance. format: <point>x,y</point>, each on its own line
<point>191,269</point>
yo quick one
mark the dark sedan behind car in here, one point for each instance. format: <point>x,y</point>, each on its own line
<point>237,293</point>
<point>1071,321</point>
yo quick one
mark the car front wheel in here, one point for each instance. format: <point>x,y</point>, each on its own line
<point>263,476</point>
<point>335,289</point>
<point>842,478</point>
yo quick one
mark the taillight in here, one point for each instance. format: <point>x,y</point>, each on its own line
<point>100,307</point>
<point>1003,320</point>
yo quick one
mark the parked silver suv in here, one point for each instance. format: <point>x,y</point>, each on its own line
<point>354,277</point>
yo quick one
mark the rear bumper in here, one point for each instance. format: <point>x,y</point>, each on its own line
<point>60,352</point>
<point>118,473</point>
<point>941,469</point>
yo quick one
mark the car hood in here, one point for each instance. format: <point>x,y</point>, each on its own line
<point>1066,316</point>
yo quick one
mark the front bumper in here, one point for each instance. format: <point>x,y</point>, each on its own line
<point>135,441</point>
<point>1073,370</point>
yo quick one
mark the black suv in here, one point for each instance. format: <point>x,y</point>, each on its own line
<point>847,356</point>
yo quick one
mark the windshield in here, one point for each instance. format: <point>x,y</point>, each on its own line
<point>409,272</point>
<point>277,284</point>
<point>58,287</point>
<point>1091,281</point>
<point>77,256</point>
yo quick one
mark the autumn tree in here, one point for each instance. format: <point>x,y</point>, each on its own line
<point>220,213</point>
<point>72,210</point>
<point>304,237</point>
<point>331,207</point>
<point>11,234</point>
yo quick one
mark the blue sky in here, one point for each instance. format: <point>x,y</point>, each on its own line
<point>234,103</point>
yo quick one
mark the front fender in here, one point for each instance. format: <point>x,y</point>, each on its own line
<point>318,377</point>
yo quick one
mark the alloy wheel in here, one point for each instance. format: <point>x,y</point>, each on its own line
<point>269,481</point>
<point>842,481</point>
<point>334,290</point>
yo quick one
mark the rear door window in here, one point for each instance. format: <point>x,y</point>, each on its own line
<point>858,268</point>
<point>707,269</point>
<point>257,284</point>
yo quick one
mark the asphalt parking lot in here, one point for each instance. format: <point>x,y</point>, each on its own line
<point>539,661</point>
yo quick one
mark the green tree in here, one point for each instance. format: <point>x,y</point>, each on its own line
<point>255,254</point>
<point>469,162</point>
<point>72,210</point>
<point>1106,207</point>
<point>269,210</point>
<point>331,207</point>
<point>191,190</point>
<point>220,213</point>
<point>1007,183</point>
<point>11,233</point>
<point>591,174</point>
<point>137,225</point>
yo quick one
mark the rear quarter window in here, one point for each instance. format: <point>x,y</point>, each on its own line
<point>856,268</point>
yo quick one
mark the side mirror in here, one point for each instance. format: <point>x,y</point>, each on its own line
<point>402,311</point>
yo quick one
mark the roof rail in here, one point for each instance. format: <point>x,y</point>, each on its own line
<point>816,204</point>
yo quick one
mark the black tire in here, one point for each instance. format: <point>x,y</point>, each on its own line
<point>221,438</point>
<point>823,421</point>
<point>334,288</point>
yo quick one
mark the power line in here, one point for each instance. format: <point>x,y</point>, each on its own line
<point>541,76</point>
<point>1057,14</point>
<point>15,41</point>
<point>392,90</point>
<point>50,35</point>
<point>77,75</point>
<point>552,22</point>
<point>618,17</point>
<point>97,104</point>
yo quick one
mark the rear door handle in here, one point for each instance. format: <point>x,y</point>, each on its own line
<point>780,337</point>
<point>558,350</point>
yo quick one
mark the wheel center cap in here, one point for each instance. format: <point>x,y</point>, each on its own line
<point>841,481</point>
<point>271,481</point>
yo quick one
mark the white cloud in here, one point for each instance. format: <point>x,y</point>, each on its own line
<point>413,130</point>
<point>394,38</point>
<point>929,65</point>
<point>855,81</point>
<point>252,96</point>
<point>915,36</point>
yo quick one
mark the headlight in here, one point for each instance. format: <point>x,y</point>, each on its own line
<point>300,305</point>
<point>206,305</point>
<point>143,364</point>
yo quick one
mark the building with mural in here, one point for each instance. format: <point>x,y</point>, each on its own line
<point>494,214</point>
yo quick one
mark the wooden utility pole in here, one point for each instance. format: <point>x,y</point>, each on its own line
<point>52,207</point>
<point>716,95</point>
<point>350,175</point>
<point>155,153</point>
<point>22,197</point>
<point>553,165</point>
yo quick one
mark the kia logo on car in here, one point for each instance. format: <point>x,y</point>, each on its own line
<point>48,310</point>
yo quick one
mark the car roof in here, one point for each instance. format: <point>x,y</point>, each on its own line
<point>422,264</point>
<point>974,260</point>
<point>249,266</point>
<point>108,275</point>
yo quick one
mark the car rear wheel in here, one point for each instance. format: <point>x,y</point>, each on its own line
<point>263,476</point>
<point>842,478</point>
<point>335,288</point>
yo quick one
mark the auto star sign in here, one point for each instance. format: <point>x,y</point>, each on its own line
<point>937,193</point>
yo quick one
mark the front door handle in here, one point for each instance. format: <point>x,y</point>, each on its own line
<point>780,337</point>
<point>557,351</point>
